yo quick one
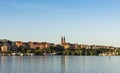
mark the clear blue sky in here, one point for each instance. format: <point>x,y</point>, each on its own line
<point>81,21</point>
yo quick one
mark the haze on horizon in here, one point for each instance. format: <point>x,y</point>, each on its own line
<point>80,21</point>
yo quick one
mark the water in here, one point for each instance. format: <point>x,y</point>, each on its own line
<point>60,64</point>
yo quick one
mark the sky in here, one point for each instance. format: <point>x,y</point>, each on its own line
<point>80,21</point>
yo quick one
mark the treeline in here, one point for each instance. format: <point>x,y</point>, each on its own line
<point>69,51</point>
<point>60,50</point>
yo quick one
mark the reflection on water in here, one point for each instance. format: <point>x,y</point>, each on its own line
<point>64,63</point>
<point>60,64</point>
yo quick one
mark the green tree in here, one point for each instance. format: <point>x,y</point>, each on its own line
<point>38,52</point>
<point>29,51</point>
<point>23,50</point>
<point>80,52</point>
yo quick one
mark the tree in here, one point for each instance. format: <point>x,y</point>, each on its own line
<point>37,48</point>
<point>23,50</point>
<point>80,52</point>
<point>38,52</point>
<point>29,51</point>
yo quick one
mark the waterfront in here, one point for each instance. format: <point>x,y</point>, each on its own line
<point>59,64</point>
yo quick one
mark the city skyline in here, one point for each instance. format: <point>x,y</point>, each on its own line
<point>62,42</point>
<point>83,22</point>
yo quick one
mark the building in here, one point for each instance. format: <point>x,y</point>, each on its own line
<point>75,46</point>
<point>19,43</point>
<point>93,46</point>
<point>80,46</point>
<point>5,48</point>
<point>39,45</point>
<point>64,44</point>
<point>68,45</point>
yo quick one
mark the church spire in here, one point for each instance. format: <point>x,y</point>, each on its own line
<point>63,40</point>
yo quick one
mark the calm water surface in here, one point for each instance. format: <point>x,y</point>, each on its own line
<point>60,64</point>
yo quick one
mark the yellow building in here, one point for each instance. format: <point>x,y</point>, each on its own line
<point>66,45</point>
<point>5,48</point>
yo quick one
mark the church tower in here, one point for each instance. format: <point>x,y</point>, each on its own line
<point>63,40</point>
